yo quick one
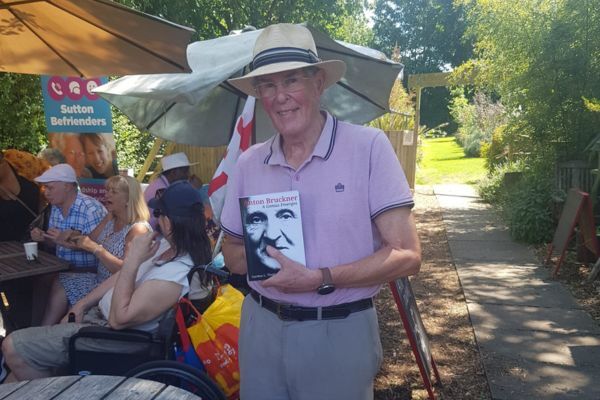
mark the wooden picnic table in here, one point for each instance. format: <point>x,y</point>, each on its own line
<point>92,387</point>
<point>16,282</point>
<point>14,264</point>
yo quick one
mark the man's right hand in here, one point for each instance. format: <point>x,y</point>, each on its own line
<point>37,235</point>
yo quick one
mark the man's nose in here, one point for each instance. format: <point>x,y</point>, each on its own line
<point>281,93</point>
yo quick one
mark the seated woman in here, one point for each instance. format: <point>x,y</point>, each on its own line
<point>127,218</point>
<point>137,296</point>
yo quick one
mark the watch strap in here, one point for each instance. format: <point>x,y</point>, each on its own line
<point>327,278</point>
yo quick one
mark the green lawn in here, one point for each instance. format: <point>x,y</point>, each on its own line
<point>444,162</point>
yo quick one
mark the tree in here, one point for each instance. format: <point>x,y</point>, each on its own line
<point>22,124</point>
<point>214,18</point>
<point>429,35</point>
<point>543,58</point>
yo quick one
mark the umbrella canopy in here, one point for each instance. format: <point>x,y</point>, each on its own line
<point>87,38</point>
<point>200,108</point>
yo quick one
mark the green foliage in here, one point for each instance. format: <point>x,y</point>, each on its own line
<point>592,104</point>
<point>214,18</point>
<point>428,33</point>
<point>491,189</point>
<point>132,144</point>
<point>22,124</point>
<point>526,204</point>
<point>528,208</point>
<point>402,107</point>
<point>543,58</point>
<point>429,37</point>
<point>476,120</point>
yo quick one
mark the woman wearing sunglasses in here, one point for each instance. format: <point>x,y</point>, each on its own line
<point>151,281</point>
<point>127,218</point>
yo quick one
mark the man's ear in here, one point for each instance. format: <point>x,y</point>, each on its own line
<point>320,81</point>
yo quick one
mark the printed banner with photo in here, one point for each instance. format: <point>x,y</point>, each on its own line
<point>79,126</point>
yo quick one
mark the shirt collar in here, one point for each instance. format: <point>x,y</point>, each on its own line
<point>322,149</point>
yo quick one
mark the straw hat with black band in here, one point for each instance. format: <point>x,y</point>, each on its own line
<point>285,47</point>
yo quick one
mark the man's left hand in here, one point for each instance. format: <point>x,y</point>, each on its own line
<point>293,277</point>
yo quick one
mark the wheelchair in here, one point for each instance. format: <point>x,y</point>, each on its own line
<point>149,355</point>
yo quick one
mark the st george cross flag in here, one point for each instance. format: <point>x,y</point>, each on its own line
<point>240,141</point>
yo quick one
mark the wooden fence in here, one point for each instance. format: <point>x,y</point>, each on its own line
<point>208,159</point>
<point>405,144</point>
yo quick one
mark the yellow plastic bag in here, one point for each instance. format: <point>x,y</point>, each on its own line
<point>215,337</point>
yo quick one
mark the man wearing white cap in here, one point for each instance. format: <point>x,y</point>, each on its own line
<point>310,331</point>
<point>175,167</point>
<point>71,211</point>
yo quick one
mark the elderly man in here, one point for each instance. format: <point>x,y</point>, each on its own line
<point>72,212</point>
<point>310,331</point>
<point>175,167</point>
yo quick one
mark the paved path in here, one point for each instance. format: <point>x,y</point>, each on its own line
<point>535,341</point>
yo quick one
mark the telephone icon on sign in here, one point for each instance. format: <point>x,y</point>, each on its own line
<point>56,88</point>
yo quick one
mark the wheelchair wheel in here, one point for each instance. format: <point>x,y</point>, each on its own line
<point>177,374</point>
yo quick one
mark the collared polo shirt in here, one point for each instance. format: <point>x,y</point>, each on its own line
<point>352,176</point>
<point>84,215</point>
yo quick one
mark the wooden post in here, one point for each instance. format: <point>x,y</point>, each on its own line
<point>417,112</point>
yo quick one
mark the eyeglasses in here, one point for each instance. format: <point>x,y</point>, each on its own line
<point>288,85</point>
<point>157,213</point>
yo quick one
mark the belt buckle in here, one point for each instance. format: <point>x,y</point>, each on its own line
<point>279,311</point>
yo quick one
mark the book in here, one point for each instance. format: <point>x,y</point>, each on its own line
<point>272,219</point>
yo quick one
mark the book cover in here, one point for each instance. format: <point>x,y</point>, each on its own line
<point>272,219</point>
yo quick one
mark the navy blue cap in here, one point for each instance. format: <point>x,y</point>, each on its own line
<point>178,200</point>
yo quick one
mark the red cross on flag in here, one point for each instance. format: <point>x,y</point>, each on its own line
<point>240,141</point>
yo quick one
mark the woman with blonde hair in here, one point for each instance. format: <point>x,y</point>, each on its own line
<point>127,218</point>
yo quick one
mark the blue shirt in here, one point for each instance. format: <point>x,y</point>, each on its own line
<point>84,215</point>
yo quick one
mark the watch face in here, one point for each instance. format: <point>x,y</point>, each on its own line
<point>325,288</point>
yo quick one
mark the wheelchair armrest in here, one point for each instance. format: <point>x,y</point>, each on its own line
<point>106,351</point>
<point>123,335</point>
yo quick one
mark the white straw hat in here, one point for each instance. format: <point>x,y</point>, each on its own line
<point>284,47</point>
<point>176,160</point>
<point>58,173</point>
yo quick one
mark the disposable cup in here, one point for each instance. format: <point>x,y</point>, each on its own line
<point>31,250</point>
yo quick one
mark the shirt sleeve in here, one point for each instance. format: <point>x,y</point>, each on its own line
<point>95,213</point>
<point>175,271</point>
<point>388,187</point>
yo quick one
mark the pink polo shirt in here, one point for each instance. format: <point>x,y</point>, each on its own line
<point>352,176</point>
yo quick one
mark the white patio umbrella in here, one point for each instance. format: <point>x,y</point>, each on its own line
<point>200,108</point>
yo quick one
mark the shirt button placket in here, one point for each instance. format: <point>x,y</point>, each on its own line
<point>295,179</point>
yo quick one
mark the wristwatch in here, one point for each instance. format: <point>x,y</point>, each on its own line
<point>327,286</point>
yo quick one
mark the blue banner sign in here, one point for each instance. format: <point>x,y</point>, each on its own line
<point>71,106</point>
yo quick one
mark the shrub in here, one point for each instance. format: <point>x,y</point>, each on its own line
<point>476,120</point>
<point>528,207</point>
<point>491,189</point>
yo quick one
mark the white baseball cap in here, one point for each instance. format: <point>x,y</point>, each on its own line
<point>176,160</point>
<point>58,173</point>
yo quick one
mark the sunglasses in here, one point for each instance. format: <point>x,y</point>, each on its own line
<point>157,213</point>
<point>159,193</point>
